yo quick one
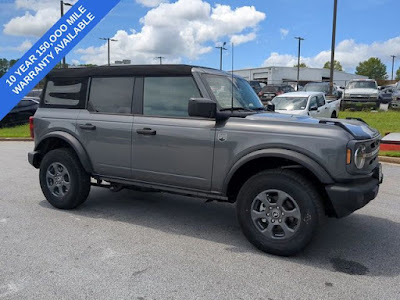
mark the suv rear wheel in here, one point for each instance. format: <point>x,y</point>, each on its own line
<point>63,180</point>
<point>279,211</point>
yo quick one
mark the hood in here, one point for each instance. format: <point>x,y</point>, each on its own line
<point>358,129</point>
<point>292,112</point>
<point>361,91</point>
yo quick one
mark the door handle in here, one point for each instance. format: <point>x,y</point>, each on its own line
<point>87,126</point>
<point>146,131</point>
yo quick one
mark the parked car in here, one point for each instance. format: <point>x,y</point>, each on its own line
<point>385,95</point>
<point>307,103</point>
<point>196,132</point>
<point>324,88</point>
<point>257,85</point>
<point>361,90</point>
<point>23,110</point>
<point>269,92</point>
<point>396,97</point>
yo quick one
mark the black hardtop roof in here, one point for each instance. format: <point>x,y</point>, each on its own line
<point>125,70</point>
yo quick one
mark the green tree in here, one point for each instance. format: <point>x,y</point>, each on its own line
<point>373,68</point>
<point>336,65</point>
<point>302,65</point>
<point>398,74</point>
<point>3,66</point>
<point>12,62</point>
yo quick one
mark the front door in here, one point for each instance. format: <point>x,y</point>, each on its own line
<point>105,127</point>
<point>168,146</point>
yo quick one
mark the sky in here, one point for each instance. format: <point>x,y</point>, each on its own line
<point>187,31</point>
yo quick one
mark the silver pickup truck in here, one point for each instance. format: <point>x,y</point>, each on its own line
<point>200,132</point>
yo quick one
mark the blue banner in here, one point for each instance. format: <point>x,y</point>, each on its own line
<point>50,50</point>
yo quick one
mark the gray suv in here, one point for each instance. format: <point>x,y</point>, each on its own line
<point>200,132</point>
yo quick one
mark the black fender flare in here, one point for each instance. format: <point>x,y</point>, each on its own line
<point>74,143</point>
<point>297,157</point>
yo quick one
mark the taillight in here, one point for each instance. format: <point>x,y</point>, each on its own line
<point>260,94</point>
<point>279,93</point>
<point>31,127</point>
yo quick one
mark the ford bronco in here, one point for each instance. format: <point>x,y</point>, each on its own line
<point>204,133</point>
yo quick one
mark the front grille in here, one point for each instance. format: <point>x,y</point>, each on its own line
<point>372,152</point>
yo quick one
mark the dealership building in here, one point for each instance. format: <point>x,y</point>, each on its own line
<point>279,75</point>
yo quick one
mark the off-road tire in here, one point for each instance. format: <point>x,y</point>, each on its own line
<point>79,180</point>
<point>296,186</point>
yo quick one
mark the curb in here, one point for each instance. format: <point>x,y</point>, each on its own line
<point>16,140</point>
<point>388,159</point>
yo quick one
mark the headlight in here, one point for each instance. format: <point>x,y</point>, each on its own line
<point>359,157</point>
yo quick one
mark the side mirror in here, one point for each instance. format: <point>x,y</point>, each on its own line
<point>202,107</point>
<point>313,108</point>
<point>270,106</point>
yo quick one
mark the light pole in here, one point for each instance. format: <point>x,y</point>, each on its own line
<point>160,58</point>
<point>393,57</point>
<point>221,48</point>
<point>62,3</point>
<point>333,47</point>
<point>108,42</point>
<point>298,60</point>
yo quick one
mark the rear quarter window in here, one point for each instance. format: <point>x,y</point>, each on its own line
<point>65,93</point>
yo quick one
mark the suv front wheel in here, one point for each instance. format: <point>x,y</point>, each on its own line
<point>63,180</point>
<point>279,211</point>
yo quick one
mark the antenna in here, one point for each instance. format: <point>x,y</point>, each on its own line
<point>232,76</point>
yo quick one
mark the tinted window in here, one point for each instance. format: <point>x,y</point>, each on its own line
<point>168,96</point>
<point>111,95</point>
<point>270,88</point>
<point>313,102</point>
<point>66,92</point>
<point>243,95</point>
<point>320,100</point>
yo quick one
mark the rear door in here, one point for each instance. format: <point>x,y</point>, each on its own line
<point>169,147</point>
<point>105,125</point>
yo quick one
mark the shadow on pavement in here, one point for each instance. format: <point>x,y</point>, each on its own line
<point>356,245</point>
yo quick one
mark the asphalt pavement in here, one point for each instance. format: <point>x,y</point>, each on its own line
<point>132,245</point>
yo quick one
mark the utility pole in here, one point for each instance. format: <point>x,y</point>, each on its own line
<point>393,57</point>
<point>298,60</point>
<point>62,3</point>
<point>333,47</point>
<point>160,58</point>
<point>109,50</point>
<point>221,48</point>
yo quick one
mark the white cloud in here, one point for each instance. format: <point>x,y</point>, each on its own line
<point>348,52</point>
<point>23,47</point>
<point>185,28</point>
<point>151,3</point>
<point>284,32</point>
<point>243,38</point>
<point>39,16</point>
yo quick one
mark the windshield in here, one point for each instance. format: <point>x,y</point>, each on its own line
<point>398,86</point>
<point>315,87</point>
<point>290,103</point>
<point>362,85</point>
<point>243,95</point>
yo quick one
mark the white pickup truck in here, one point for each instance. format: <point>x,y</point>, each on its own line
<point>308,104</point>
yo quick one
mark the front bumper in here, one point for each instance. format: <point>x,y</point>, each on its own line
<point>347,198</point>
